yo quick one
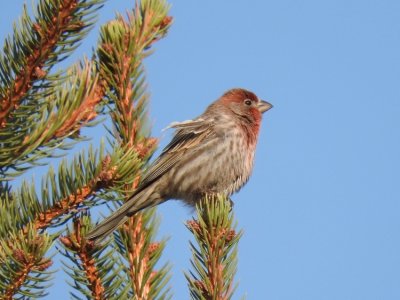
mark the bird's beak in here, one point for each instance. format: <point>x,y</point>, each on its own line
<point>263,106</point>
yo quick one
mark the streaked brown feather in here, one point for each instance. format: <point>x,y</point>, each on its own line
<point>188,136</point>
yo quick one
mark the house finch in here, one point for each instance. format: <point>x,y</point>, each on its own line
<point>212,154</point>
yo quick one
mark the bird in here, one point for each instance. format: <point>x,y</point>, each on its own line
<point>212,154</point>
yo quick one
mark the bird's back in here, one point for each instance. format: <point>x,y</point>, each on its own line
<point>218,161</point>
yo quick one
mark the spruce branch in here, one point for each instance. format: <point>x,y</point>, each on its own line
<point>93,92</point>
<point>38,44</point>
<point>95,268</point>
<point>124,43</point>
<point>215,255</point>
<point>77,198</point>
<point>90,177</point>
<point>122,47</point>
<point>74,103</point>
<point>42,112</point>
<point>120,65</point>
<point>136,245</point>
<point>23,265</point>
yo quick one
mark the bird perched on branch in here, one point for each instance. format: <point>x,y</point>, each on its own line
<point>212,154</point>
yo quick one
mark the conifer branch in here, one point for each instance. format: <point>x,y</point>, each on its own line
<point>57,23</point>
<point>90,177</point>
<point>73,104</point>
<point>215,256</point>
<point>139,255</point>
<point>104,180</point>
<point>76,242</point>
<point>36,105</point>
<point>123,46</point>
<point>86,110</point>
<point>135,243</point>
<point>23,265</point>
<point>41,112</point>
<point>95,269</point>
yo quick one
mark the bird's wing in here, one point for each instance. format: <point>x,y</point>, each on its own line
<point>189,135</point>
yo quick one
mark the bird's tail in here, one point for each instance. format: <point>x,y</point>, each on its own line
<point>137,202</point>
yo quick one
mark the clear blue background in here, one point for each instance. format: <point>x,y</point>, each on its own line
<point>320,215</point>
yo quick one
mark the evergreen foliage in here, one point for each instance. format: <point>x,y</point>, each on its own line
<point>214,258</point>
<point>42,113</point>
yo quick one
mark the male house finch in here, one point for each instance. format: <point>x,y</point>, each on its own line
<point>212,154</point>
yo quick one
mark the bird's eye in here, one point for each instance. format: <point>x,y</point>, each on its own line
<point>247,102</point>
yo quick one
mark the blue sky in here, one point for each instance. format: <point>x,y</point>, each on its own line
<point>321,213</point>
